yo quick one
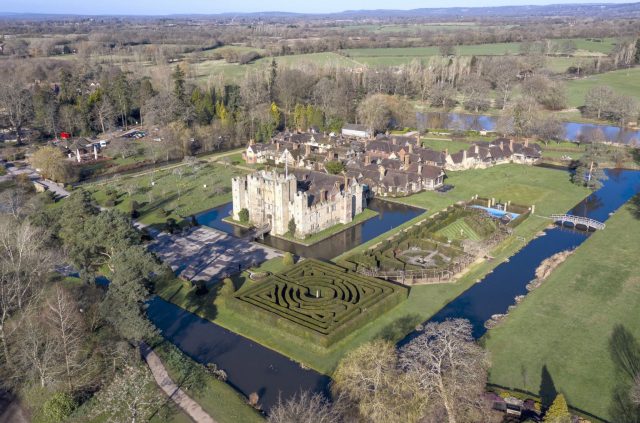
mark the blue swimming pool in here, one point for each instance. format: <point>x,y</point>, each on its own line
<point>497,213</point>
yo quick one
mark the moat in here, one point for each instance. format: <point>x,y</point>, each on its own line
<point>254,368</point>
<point>390,215</point>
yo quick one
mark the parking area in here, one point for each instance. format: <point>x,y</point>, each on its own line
<point>207,254</point>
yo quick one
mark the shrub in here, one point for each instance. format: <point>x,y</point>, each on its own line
<point>228,288</point>
<point>57,408</point>
<point>243,215</point>
<point>201,287</point>
<point>171,225</point>
<point>133,208</point>
<point>292,227</point>
<point>287,259</point>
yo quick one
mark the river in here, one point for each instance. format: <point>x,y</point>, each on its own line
<point>254,368</point>
<point>574,131</point>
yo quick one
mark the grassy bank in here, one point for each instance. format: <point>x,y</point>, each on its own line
<point>623,81</point>
<point>566,324</point>
<point>216,397</point>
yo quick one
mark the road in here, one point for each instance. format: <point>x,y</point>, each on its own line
<point>33,175</point>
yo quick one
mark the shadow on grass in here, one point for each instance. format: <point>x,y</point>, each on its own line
<point>400,328</point>
<point>625,354</point>
<point>548,390</point>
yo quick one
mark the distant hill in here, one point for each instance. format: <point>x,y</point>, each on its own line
<point>597,10</point>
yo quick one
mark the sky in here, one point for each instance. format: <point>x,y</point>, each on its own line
<point>164,7</point>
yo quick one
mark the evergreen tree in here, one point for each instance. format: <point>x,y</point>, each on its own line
<point>558,412</point>
<point>273,76</point>
<point>178,84</point>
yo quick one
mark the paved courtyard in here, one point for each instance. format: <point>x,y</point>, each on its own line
<point>206,254</point>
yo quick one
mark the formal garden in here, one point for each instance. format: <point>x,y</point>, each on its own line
<point>318,301</point>
<point>436,249</point>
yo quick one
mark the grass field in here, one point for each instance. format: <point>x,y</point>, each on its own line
<point>549,189</point>
<point>566,324</point>
<point>459,230</point>
<point>179,192</point>
<point>624,81</point>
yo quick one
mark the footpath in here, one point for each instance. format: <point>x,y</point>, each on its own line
<point>173,391</point>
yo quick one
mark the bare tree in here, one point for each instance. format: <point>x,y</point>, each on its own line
<point>304,407</point>
<point>37,350</point>
<point>450,368</point>
<point>598,100</point>
<point>17,102</point>
<point>64,318</point>
<point>24,261</point>
<point>369,378</point>
<point>635,391</point>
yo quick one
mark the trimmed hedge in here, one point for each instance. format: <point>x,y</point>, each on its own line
<point>287,301</point>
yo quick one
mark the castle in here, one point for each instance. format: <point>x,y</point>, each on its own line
<point>313,200</point>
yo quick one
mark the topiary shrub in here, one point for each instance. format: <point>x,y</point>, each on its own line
<point>228,288</point>
<point>243,215</point>
<point>201,287</point>
<point>133,209</point>
<point>287,259</point>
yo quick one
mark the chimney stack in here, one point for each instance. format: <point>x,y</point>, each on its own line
<point>418,140</point>
<point>476,149</point>
<point>511,145</point>
<point>394,140</point>
<point>410,148</point>
<point>277,146</point>
<point>407,160</point>
<point>501,145</point>
<point>346,182</point>
<point>526,142</point>
<point>464,155</point>
<point>446,152</point>
<point>382,171</point>
<point>367,160</point>
<point>307,149</point>
<point>420,169</point>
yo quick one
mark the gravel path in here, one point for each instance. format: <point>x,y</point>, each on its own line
<point>172,390</point>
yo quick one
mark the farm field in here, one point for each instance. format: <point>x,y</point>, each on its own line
<point>567,323</point>
<point>623,81</point>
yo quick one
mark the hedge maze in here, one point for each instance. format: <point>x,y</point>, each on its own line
<point>319,301</point>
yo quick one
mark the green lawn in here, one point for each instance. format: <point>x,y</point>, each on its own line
<point>566,324</point>
<point>459,230</point>
<point>624,81</point>
<point>549,190</point>
<point>179,191</point>
<point>445,144</point>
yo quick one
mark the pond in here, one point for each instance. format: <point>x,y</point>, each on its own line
<point>574,131</point>
<point>390,215</point>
